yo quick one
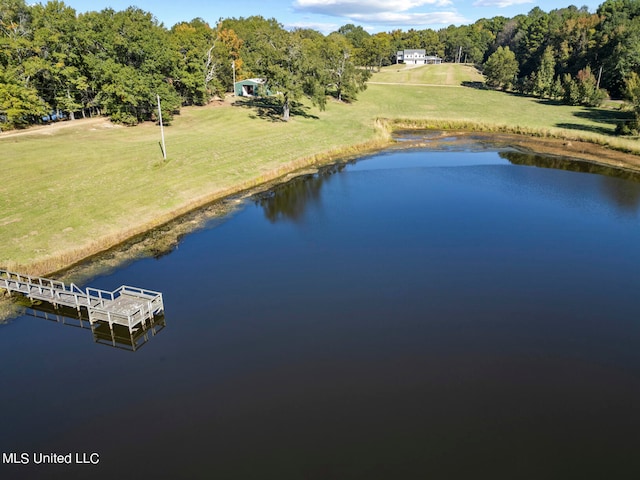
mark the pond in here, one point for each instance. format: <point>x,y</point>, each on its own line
<point>421,313</point>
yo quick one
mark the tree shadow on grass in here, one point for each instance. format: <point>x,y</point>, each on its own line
<point>476,85</point>
<point>605,121</point>
<point>546,101</point>
<point>270,108</point>
<point>586,128</point>
<point>609,117</point>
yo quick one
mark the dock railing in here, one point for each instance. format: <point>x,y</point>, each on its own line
<point>127,305</point>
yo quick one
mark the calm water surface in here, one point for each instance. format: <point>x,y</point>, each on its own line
<point>417,314</point>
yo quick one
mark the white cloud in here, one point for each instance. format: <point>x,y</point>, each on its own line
<point>348,8</point>
<point>499,3</point>
<point>384,12</point>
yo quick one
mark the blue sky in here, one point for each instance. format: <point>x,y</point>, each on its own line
<point>328,15</point>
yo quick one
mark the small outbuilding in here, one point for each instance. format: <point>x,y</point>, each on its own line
<point>251,87</point>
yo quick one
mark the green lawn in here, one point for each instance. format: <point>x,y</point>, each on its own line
<point>86,187</point>
<point>443,74</point>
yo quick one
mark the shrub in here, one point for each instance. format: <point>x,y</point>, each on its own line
<point>628,127</point>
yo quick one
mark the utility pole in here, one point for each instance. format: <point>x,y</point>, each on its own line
<point>164,148</point>
<point>233,66</point>
<point>599,77</point>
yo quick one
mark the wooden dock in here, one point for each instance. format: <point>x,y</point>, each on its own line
<point>131,307</point>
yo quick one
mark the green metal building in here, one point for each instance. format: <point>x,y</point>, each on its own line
<point>251,87</point>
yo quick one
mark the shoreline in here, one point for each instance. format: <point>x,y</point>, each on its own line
<point>579,150</point>
<point>161,235</point>
<point>218,204</point>
<point>188,217</point>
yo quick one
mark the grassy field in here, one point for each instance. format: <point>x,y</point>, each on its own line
<point>69,192</point>
<point>447,74</point>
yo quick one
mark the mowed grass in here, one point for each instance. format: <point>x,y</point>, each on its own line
<point>81,189</point>
<point>443,74</point>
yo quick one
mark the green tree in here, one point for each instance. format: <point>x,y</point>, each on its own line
<point>632,90</point>
<point>376,51</point>
<point>130,62</point>
<point>531,40</point>
<point>191,41</point>
<point>632,93</point>
<point>545,74</point>
<point>19,105</point>
<point>355,34</point>
<point>501,68</point>
<point>16,33</point>
<point>345,78</point>
<point>618,35</point>
<point>571,90</point>
<point>467,43</point>
<point>590,94</point>
<point>290,66</point>
<point>54,70</point>
<point>572,34</point>
<point>583,90</point>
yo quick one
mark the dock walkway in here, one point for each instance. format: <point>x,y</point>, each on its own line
<point>127,306</point>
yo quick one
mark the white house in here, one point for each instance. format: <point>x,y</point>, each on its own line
<point>416,57</point>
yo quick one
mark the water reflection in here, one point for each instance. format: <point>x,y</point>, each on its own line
<point>623,195</point>
<point>572,165</point>
<point>291,200</point>
<point>431,312</point>
<point>117,337</point>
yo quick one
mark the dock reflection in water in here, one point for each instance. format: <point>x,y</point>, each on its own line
<point>118,337</point>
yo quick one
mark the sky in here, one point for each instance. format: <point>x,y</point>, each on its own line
<point>328,15</point>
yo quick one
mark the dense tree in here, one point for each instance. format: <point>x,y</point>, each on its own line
<point>54,69</point>
<point>52,59</point>
<point>419,39</point>
<point>131,65</point>
<point>191,41</point>
<point>467,43</point>
<point>619,37</point>
<point>376,51</point>
<point>501,68</point>
<point>19,104</point>
<point>345,78</point>
<point>531,40</point>
<point>572,34</point>
<point>545,75</point>
<point>289,65</point>
<point>355,34</point>
<point>632,90</point>
<point>632,93</point>
<point>583,89</point>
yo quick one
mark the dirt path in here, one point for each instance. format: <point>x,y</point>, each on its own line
<point>450,77</point>
<point>54,127</point>
<point>416,84</point>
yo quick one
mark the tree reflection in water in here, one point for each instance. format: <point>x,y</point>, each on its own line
<point>625,196</point>
<point>290,200</point>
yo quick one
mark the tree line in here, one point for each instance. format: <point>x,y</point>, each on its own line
<point>55,62</point>
<point>53,59</point>
<point>571,55</point>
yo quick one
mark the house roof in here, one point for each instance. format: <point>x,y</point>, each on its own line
<point>260,81</point>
